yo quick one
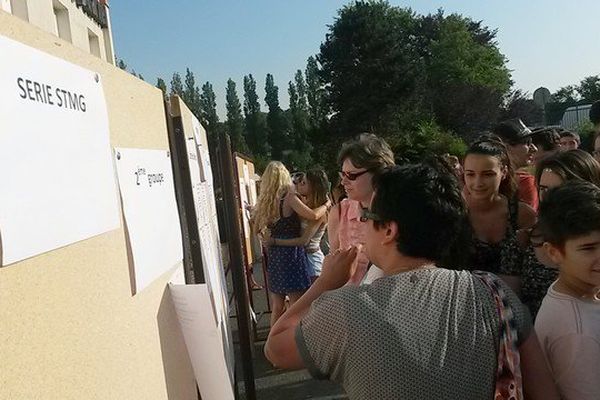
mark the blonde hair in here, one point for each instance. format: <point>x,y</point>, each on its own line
<point>274,184</point>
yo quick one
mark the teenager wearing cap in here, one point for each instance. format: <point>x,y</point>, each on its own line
<point>521,149</point>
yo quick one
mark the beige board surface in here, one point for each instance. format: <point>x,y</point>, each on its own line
<point>243,167</point>
<point>71,328</point>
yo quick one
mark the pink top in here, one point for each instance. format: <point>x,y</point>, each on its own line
<point>352,231</point>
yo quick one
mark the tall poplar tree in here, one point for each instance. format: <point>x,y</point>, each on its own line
<point>256,126</point>
<point>276,122</point>
<point>208,110</point>
<point>235,121</point>
<point>176,85</point>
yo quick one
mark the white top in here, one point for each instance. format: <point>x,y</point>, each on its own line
<point>569,332</point>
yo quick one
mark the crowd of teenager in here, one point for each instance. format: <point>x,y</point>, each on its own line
<point>448,279</point>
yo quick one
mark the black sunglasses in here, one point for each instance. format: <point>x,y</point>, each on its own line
<point>368,215</point>
<point>352,176</point>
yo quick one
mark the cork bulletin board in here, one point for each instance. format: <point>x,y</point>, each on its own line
<point>71,328</point>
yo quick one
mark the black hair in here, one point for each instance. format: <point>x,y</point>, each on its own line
<point>569,211</point>
<point>547,139</point>
<point>595,112</point>
<point>567,133</point>
<point>493,146</point>
<point>426,203</point>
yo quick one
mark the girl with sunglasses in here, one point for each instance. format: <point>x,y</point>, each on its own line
<point>360,160</point>
<point>277,213</point>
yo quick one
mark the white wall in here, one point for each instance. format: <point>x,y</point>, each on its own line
<point>70,24</point>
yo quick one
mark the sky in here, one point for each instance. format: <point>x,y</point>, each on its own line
<point>547,43</point>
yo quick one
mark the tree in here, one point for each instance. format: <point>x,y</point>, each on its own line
<point>176,85</point>
<point>589,89</point>
<point>208,110</point>
<point>386,69</point>
<point>566,94</point>
<point>300,86</point>
<point>191,94</point>
<point>370,65</point>
<point>466,74</point>
<point>518,105</point>
<point>160,83</point>
<point>300,155</point>
<point>256,125</point>
<point>121,64</point>
<point>276,122</point>
<point>235,122</point>
<point>314,94</point>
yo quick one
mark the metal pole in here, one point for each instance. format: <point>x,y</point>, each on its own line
<point>238,272</point>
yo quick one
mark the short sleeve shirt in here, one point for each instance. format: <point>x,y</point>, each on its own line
<point>423,334</point>
<point>569,332</point>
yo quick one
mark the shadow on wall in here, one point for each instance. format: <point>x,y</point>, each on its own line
<point>179,376</point>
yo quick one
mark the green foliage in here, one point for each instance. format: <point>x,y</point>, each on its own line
<point>256,123</point>
<point>191,95</point>
<point>277,124</point>
<point>317,110</point>
<point>518,105</point>
<point>589,88</point>
<point>370,65</point>
<point>586,133</point>
<point>235,121</point>
<point>587,91</point>
<point>121,64</point>
<point>385,68</point>
<point>567,94</point>
<point>160,83</point>
<point>176,85</point>
<point>428,138</point>
<point>457,58</point>
<point>208,110</point>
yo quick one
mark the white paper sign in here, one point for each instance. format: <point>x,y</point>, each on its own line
<point>150,208</point>
<point>205,341</point>
<point>58,181</point>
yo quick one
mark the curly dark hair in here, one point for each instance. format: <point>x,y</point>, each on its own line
<point>426,203</point>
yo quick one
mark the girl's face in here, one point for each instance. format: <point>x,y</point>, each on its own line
<point>304,187</point>
<point>356,182</point>
<point>483,175</point>
<point>548,180</point>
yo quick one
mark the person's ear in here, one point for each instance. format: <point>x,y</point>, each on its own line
<point>391,232</point>
<point>504,171</point>
<point>554,253</point>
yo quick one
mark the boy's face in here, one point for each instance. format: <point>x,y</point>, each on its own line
<point>580,259</point>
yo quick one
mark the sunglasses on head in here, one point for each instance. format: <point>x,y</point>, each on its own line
<point>352,176</point>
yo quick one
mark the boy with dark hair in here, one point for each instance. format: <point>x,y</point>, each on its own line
<point>568,322</point>
<point>569,140</point>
